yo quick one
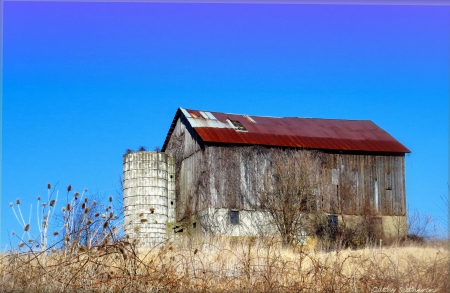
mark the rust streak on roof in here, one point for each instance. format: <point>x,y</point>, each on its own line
<point>328,134</point>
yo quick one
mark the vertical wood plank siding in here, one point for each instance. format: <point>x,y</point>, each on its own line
<point>186,147</point>
<point>363,171</point>
<point>219,177</point>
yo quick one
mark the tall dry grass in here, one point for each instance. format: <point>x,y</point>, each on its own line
<point>221,264</point>
<point>88,254</point>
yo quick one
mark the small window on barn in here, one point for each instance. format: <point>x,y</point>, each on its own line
<point>234,217</point>
<point>237,125</point>
<point>178,229</point>
<point>388,180</point>
<point>276,177</point>
<point>300,238</point>
<point>332,221</point>
<point>194,225</point>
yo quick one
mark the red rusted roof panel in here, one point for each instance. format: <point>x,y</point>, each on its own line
<point>352,135</point>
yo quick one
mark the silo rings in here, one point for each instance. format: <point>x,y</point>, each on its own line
<point>145,192</point>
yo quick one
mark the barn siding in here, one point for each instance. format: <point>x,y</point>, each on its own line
<point>366,171</point>
<point>362,172</point>
<point>186,147</point>
<point>219,176</point>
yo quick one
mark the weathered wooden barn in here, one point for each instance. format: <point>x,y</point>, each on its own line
<point>214,152</point>
<point>214,166</point>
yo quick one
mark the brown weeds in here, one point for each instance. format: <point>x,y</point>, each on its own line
<point>213,264</point>
<point>90,255</point>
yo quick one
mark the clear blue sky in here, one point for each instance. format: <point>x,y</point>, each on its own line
<point>82,82</point>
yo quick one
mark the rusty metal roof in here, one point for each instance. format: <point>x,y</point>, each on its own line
<point>325,134</point>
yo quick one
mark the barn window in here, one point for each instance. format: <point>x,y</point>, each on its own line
<point>276,177</point>
<point>388,180</point>
<point>178,229</point>
<point>300,238</point>
<point>237,125</point>
<point>194,225</point>
<point>234,217</point>
<point>332,221</point>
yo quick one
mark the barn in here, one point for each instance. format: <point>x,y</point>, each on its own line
<point>218,172</point>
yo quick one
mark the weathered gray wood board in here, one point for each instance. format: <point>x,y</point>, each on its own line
<point>223,176</point>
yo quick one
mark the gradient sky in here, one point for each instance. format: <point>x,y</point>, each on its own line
<point>83,82</point>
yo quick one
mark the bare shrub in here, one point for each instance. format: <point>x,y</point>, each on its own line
<point>420,228</point>
<point>290,184</point>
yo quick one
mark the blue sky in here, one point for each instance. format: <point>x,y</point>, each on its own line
<point>83,82</point>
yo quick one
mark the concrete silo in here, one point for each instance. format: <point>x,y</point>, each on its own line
<point>149,194</point>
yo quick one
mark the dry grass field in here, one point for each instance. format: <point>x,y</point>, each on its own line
<point>227,265</point>
<point>83,251</point>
